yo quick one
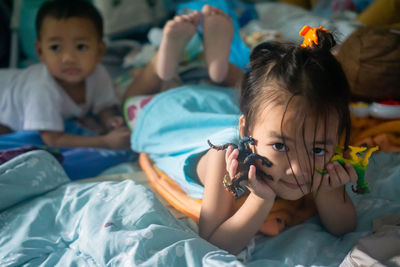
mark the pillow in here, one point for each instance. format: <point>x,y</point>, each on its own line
<point>371,60</point>
<point>29,175</point>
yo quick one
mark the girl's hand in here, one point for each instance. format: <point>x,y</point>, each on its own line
<point>256,186</point>
<point>231,161</point>
<point>337,176</point>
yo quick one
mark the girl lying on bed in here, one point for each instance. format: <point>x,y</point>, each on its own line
<point>293,103</point>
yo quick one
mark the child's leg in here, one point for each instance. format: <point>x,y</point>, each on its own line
<point>145,82</point>
<point>176,34</point>
<point>234,77</point>
<point>217,38</point>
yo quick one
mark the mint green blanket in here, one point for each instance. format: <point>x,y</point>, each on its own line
<point>47,221</point>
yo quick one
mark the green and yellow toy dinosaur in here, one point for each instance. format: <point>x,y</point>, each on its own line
<point>358,162</point>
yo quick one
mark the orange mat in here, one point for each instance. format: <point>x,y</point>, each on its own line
<point>284,212</point>
<point>376,132</point>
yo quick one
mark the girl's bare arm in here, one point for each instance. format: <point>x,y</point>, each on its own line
<point>336,211</point>
<point>335,207</point>
<point>218,223</point>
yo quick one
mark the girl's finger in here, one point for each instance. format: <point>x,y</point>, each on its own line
<point>233,168</point>
<point>185,17</point>
<point>252,176</point>
<point>341,173</point>
<point>233,155</point>
<point>252,172</point>
<point>231,162</point>
<point>333,176</point>
<point>228,152</point>
<point>352,172</point>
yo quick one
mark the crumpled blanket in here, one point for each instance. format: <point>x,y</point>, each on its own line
<point>379,249</point>
<point>376,132</point>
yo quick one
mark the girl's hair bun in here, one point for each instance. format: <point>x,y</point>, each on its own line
<point>317,38</point>
<point>326,41</point>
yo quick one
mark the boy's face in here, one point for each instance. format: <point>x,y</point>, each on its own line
<point>70,48</point>
<point>294,153</point>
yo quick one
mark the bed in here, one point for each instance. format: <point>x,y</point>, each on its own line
<point>118,220</point>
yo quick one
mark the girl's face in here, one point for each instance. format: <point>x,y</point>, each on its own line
<point>294,148</point>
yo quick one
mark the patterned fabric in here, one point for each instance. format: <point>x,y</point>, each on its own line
<point>6,155</point>
<point>29,175</point>
<point>133,107</point>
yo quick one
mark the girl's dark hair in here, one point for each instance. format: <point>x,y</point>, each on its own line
<point>281,72</point>
<point>65,9</point>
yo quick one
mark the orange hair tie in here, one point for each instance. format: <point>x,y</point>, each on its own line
<point>310,36</point>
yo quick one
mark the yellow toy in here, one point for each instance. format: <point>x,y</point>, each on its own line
<point>359,163</point>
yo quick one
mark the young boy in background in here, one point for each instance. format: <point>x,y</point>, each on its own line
<point>69,82</point>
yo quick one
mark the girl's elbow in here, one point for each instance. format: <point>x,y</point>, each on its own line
<point>235,251</point>
<point>344,229</point>
<point>341,232</point>
<point>232,247</point>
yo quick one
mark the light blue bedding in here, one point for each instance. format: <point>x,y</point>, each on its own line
<point>89,224</point>
<point>123,223</point>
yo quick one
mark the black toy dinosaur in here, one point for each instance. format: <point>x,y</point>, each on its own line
<point>246,158</point>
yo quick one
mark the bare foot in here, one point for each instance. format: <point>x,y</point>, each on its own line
<point>177,33</point>
<point>217,38</point>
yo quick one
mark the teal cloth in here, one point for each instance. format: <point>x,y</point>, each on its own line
<point>89,224</point>
<point>14,186</point>
<point>173,128</point>
<point>124,224</point>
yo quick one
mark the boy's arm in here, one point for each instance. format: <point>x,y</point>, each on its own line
<point>105,103</point>
<point>116,139</point>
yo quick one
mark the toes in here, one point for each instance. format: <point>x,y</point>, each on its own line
<point>177,19</point>
<point>217,11</point>
<point>186,17</point>
<point>226,16</point>
<point>206,10</point>
<point>210,10</point>
<point>195,17</point>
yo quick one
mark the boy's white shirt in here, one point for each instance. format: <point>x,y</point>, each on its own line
<point>31,99</point>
